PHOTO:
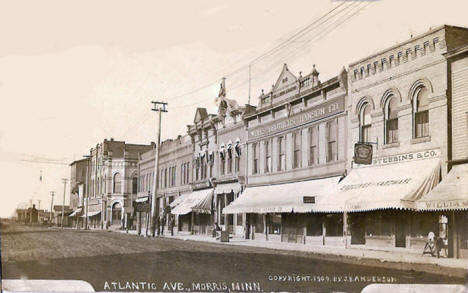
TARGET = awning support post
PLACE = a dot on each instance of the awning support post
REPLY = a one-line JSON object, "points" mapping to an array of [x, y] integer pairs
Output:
{"points": [[345, 229], [324, 231]]}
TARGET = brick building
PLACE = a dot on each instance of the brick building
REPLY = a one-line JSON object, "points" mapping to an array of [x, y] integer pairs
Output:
{"points": [[399, 102], [174, 177], [296, 146], [113, 182]]}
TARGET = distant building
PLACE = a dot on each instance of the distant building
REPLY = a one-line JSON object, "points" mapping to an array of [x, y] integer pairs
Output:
{"points": [[113, 181]]}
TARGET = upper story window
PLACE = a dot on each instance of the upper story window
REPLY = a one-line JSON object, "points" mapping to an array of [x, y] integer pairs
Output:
{"points": [[391, 120], [222, 161], [313, 145], [229, 159], [297, 149], [332, 147], [187, 172], [237, 157], [267, 156], [134, 185], [365, 122], [281, 153], [117, 188], [255, 152], [421, 112]]}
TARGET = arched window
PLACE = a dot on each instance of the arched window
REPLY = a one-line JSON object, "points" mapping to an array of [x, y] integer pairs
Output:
{"points": [[391, 120], [421, 112], [117, 183], [365, 122], [134, 184]]}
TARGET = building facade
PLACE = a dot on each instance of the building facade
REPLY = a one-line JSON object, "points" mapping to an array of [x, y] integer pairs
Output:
{"points": [[399, 104], [113, 182], [296, 145]]}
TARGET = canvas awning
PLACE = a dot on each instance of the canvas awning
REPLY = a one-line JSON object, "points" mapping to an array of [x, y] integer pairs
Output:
{"points": [[450, 194], [91, 214], [197, 201], [390, 186], [234, 187], [280, 198], [75, 212]]}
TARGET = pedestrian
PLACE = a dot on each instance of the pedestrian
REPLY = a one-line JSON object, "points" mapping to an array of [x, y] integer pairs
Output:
{"points": [[157, 225], [171, 224], [162, 222]]}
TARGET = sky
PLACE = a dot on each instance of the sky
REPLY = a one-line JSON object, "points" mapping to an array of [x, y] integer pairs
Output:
{"points": [[75, 72]]}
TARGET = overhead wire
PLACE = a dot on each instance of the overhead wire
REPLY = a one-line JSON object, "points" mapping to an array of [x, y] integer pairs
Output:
{"points": [[353, 10]]}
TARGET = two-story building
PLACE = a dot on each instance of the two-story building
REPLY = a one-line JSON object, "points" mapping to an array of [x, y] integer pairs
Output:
{"points": [[296, 148], [173, 180], [78, 181], [399, 103]]}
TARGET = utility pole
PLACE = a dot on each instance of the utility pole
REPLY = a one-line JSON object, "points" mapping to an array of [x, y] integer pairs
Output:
{"points": [[51, 206], [87, 190], [158, 107], [250, 81], [64, 180]]}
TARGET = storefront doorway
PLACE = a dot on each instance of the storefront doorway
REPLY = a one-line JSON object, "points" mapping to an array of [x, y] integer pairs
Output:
{"points": [[116, 213], [401, 224], [358, 228]]}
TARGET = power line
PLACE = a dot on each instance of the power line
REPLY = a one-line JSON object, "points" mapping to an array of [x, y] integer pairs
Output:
{"points": [[329, 28], [269, 52]]}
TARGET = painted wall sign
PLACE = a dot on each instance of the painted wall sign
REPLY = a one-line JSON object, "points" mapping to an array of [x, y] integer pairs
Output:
{"points": [[446, 204], [405, 157], [326, 109]]}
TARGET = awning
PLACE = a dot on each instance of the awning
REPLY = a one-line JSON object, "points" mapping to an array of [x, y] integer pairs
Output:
{"points": [[280, 198], [90, 214], [75, 212], [450, 194], [228, 188], [390, 186], [197, 201], [142, 199]]}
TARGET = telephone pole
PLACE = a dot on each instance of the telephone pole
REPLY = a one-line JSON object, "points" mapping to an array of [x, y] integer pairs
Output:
{"points": [[87, 190], [51, 206], [158, 107], [64, 180]]}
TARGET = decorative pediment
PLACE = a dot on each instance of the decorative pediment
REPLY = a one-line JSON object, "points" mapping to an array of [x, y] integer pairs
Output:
{"points": [[285, 79], [200, 115]]}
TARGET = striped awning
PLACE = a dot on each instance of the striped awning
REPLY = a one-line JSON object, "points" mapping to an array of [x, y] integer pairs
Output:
{"points": [[197, 201], [392, 186], [450, 194]]}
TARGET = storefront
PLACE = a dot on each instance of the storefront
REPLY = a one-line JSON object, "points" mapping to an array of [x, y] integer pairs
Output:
{"points": [[141, 217], [282, 212], [376, 201], [225, 194], [75, 217], [194, 210], [449, 200]]}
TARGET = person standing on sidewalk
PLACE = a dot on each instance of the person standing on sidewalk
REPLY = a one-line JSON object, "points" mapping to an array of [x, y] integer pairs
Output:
{"points": [[171, 224], [162, 222], [157, 225]]}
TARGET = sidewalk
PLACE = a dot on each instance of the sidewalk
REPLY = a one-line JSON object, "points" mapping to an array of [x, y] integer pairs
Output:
{"points": [[395, 259]]}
